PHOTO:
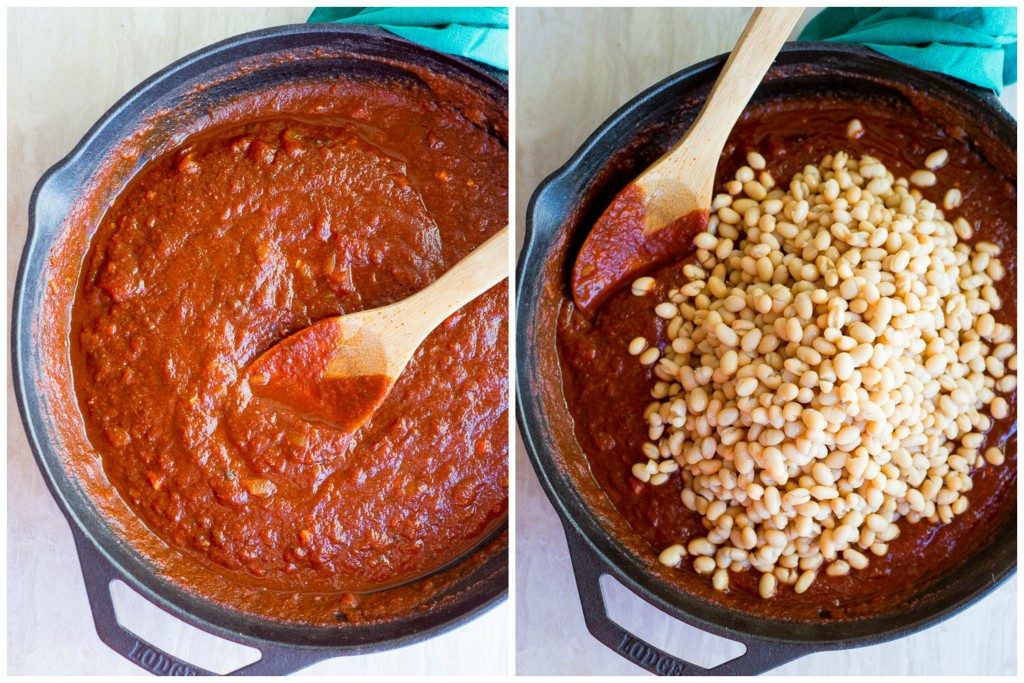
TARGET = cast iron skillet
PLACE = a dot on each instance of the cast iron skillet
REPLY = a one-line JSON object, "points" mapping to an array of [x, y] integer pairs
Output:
{"points": [[560, 212], [220, 71]]}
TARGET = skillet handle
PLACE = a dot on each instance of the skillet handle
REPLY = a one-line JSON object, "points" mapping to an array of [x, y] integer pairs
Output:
{"points": [[97, 571], [760, 655]]}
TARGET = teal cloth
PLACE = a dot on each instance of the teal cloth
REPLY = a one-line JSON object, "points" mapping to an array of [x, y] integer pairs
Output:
{"points": [[974, 44], [477, 33]]}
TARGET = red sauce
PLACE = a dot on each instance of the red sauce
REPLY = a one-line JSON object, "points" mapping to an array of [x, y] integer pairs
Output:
{"points": [[295, 373], [618, 248], [310, 201], [606, 389]]}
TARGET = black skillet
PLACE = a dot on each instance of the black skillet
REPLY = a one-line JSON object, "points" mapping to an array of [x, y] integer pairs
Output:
{"points": [[560, 212], [305, 51]]}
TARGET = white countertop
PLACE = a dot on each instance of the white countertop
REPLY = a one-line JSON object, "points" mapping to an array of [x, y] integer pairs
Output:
{"points": [[66, 67], [574, 68]]}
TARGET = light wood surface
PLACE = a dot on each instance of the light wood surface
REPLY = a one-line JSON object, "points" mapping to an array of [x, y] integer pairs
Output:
{"points": [[65, 68], [574, 68]]}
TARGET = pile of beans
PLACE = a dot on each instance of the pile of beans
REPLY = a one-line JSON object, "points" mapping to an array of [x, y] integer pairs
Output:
{"points": [[832, 365]]}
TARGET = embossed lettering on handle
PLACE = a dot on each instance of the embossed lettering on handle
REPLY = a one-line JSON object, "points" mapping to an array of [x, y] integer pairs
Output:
{"points": [[156, 662], [642, 654]]}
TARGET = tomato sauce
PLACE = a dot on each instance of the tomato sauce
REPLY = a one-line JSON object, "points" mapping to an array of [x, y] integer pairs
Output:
{"points": [[606, 389], [619, 247], [296, 374], [310, 201]]}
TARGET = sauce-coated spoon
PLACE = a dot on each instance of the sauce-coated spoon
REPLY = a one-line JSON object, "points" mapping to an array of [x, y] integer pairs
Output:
{"points": [[340, 369], [656, 216]]}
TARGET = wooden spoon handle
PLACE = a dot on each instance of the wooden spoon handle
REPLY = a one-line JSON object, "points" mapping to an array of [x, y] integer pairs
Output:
{"points": [[484, 267], [763, 37]]}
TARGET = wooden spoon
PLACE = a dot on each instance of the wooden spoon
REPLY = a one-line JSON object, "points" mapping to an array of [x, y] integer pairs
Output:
{"points": [[654, 219], [340, 369]]}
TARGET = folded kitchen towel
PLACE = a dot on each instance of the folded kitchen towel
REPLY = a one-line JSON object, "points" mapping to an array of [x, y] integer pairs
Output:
{"points": [[477, 33], [974, 44]]}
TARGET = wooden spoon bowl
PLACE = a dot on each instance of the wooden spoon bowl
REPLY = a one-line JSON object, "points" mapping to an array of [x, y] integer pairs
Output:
{"points": [[340, 369]]}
